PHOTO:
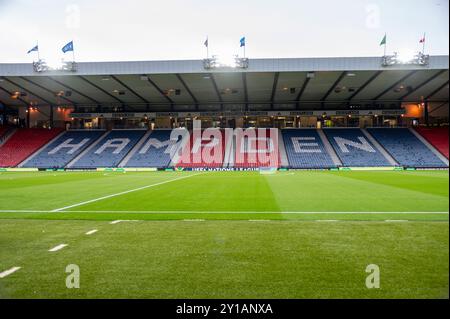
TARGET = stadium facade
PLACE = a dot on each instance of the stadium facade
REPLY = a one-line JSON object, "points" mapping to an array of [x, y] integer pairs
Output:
{"points": [[312, 113]]}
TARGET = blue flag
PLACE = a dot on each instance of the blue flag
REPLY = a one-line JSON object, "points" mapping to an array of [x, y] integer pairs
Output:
{"points": [[243, 42], [68, 47], [36, 48]]}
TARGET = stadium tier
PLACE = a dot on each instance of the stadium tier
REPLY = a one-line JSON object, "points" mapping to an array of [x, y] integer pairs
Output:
{"points": [[23, 143], [299, 148], [154, 150], [438, 137], [63, 150], [406, 148], [110, 150], [354, 148], [305, 149]]}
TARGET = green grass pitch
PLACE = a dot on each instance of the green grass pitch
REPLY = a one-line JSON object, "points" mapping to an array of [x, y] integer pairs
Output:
{"points": [[225, 234]]}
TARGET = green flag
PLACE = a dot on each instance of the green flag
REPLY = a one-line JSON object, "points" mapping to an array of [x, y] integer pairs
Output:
{"points": [[383, 42]]}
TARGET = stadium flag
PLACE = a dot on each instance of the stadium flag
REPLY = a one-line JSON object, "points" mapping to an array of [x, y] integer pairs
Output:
{"points": [[423, 40], [207, 47], [35, 49], [68, 47], [384, 42], [242, 42]]}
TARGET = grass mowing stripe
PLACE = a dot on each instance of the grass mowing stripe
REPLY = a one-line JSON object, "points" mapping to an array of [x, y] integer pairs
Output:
{"points": [[121, 193]]}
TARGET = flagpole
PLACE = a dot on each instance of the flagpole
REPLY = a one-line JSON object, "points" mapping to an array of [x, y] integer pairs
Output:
{"points": [[423, 44], [207, 47], [39, 56]]}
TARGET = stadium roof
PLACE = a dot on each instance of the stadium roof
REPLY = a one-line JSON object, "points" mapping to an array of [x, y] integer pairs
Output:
{"points": [[270, 83]]}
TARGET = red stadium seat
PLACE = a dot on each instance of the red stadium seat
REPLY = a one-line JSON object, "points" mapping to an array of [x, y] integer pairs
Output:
{"points": [[24, 143], [438, 137]]}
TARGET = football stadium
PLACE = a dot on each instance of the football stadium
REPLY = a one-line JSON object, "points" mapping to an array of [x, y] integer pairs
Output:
{"points": [[253, 178]]}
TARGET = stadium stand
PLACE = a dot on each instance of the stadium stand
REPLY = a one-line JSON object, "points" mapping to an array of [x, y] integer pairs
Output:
{"points": [[64, 149], [192, 156], [406, 148], [438, 137], [110, 151], [23, 143], [260, 151], [354, 149], [304, 149], [154, 152]]}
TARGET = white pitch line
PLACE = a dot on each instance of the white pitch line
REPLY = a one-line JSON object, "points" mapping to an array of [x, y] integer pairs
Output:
{"points": [[120, 221], [193, 220], [56, 248], [395, 220], [259, 220], [9, 272], [121, 193], [92, 232]]}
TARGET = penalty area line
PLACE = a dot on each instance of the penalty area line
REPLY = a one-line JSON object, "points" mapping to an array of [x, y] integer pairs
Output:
{"points": [[121, 193]]}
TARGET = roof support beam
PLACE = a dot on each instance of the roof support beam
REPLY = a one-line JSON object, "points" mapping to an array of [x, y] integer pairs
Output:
{"points": [[244, 82], [46, 89], [74, 90], [10, 94], [186, 87], [26, 90], [130, 89], [302, 90], [423, 84], [372, 78], [216, 88], [335, 84], [437, 108], [436, 91], [160, 91], [395, 84], [101, 89], [274, 89]]}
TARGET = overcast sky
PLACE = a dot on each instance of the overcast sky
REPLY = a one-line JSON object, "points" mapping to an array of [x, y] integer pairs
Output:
{"points": [[111, 30]]}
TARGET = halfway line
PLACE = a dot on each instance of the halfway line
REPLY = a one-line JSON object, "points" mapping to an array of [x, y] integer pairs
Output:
{"points": [[121, 193]]}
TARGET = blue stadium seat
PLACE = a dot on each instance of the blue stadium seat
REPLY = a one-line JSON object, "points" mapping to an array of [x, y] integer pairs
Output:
{"points": [[154, 152], [64, 149], [305, 149], [354, 149], [406, 148], [110, 151]]}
